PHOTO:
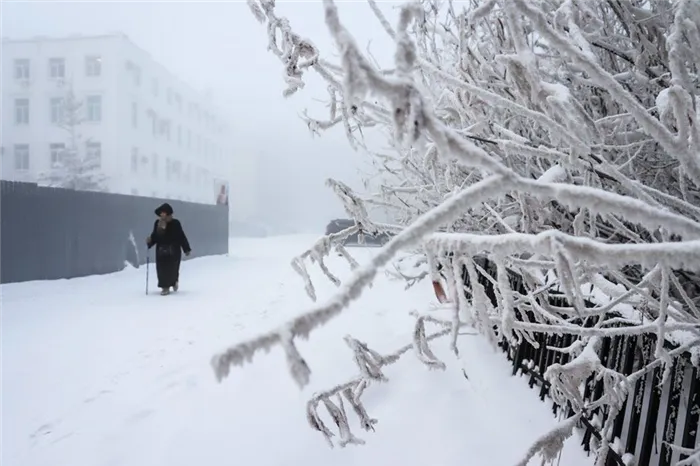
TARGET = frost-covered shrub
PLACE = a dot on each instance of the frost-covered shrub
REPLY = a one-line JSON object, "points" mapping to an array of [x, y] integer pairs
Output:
{"points": [[558, 138]]}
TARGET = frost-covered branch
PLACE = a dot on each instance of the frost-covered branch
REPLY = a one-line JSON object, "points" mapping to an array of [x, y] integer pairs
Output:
{"points": [[545, 156], [370, 364], [549, 445]]}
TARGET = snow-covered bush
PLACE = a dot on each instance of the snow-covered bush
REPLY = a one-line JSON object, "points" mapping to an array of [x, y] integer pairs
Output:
{"points": [[558, 138], [77, 166]]}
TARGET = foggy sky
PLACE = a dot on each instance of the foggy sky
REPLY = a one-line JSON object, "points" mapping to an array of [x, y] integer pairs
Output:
{"points": [[221, 47]]}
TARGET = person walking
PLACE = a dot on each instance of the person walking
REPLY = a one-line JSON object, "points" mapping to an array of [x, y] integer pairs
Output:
{"points": [[170, 241]]}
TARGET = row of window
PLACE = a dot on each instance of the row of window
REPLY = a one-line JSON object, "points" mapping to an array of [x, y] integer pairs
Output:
{"points": [[194, 110], [93, 68], [93, 109], [93, 113], [184, 137], [93, 151], [173, 168], [57, 67]]}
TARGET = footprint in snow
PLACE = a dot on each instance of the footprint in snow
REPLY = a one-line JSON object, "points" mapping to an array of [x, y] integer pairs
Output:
{"points": [[140, 416], [43, 430], [46, 434], [90, 399]]}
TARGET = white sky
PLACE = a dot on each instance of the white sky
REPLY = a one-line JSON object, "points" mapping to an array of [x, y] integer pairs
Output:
{"points": [[220, 46]]}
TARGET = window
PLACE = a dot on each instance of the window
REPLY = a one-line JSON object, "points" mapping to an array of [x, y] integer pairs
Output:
{"points": [[22, 111], [22, 68], [179, 135], [154, 165], [134, 160], [134, 71], [164, 128], [57, 68], [94, 108], [169, 95], [56, 110], [178, 102], [134, 115], [189, 139], [56, 151], [154, 87], [168, 168], [175, 167], [93, 152], [21, 156], [93, 65]]}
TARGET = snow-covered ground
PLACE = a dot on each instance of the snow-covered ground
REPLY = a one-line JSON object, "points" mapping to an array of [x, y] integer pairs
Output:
{"points": [[96, 373]]}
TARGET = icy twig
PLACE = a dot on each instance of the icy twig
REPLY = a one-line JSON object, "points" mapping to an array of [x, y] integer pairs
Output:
{"points": [[550, 444], [370, 364]]}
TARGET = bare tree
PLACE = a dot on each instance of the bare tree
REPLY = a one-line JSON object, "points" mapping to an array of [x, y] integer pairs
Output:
{"points": [[556, 139], [78, 165]]}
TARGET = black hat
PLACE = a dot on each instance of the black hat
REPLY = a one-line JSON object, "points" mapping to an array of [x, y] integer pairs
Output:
{"points": [[167, 208]]}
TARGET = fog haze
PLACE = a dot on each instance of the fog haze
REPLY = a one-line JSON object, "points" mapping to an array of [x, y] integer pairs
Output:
{"points": [[222, 49]]}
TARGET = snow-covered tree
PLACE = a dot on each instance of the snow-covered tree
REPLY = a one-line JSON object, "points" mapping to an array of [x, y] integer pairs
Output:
{"points": [[77, 164], [547, 147]]}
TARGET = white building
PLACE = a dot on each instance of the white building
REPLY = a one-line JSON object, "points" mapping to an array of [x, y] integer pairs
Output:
{"points": [[154, 135]]}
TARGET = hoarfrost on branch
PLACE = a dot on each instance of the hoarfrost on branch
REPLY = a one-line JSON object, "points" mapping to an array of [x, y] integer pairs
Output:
{"points": [[558, 139]]}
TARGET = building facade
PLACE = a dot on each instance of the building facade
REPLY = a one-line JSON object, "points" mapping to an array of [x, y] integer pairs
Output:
{"points": [[151, 134]]}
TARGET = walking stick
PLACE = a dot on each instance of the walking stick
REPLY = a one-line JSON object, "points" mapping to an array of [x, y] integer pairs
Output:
{"points": [[148, 267]]}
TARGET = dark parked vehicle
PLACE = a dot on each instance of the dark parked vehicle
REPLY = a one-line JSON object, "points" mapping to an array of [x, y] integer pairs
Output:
{"points": [[341, 224]]}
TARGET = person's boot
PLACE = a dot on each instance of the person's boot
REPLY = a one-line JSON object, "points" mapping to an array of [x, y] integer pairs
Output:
{"points": [[165, 292], [176, 287]]}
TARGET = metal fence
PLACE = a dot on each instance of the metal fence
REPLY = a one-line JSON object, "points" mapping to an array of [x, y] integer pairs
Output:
{"points": [[654, 415], [51, 233]]}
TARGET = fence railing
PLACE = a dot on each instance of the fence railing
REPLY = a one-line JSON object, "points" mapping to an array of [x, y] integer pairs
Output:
{"points": [[653, 417]]}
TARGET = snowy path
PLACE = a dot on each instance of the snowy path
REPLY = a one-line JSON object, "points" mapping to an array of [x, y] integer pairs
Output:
{"points": [[95, 373]]}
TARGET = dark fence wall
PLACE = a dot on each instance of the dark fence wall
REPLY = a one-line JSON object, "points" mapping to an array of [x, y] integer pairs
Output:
{"points": [[654, 415], [50, 233]]}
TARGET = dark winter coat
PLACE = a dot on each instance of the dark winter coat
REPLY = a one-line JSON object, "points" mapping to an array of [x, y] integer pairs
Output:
{"points": [[170, 241]]}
